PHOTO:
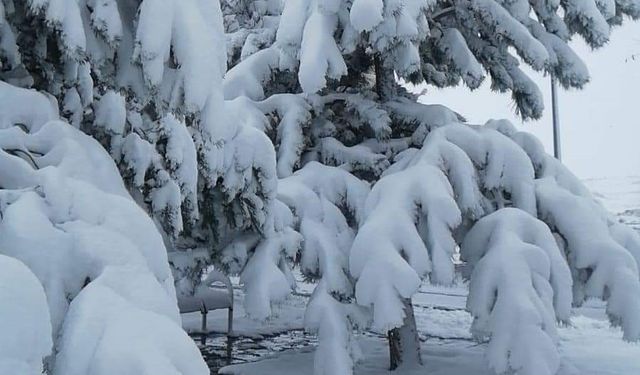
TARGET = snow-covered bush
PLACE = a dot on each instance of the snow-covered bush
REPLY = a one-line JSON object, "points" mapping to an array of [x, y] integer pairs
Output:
{"points": [[94, 293]]}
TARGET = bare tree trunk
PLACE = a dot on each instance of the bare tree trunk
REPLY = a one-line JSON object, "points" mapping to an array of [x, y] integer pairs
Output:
{"points": [[404, 343], [385, 79]]}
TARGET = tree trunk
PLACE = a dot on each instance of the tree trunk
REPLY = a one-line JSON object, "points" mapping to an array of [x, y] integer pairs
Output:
{"points": [[385, 79], [404, 343]]}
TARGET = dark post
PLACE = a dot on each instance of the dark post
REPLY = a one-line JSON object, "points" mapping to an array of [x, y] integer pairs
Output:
{"points": [[204, 311]]}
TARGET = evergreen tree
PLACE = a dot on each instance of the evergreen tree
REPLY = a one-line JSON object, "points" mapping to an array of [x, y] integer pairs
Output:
{"points": [[310, 154], [434, 179], [144, 78]]}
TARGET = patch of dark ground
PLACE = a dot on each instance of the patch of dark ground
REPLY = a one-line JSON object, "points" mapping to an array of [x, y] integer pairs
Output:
{"points": [[219, 351]]}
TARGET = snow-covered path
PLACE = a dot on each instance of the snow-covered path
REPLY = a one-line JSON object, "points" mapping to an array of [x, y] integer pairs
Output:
{"points": [[590, 346]]}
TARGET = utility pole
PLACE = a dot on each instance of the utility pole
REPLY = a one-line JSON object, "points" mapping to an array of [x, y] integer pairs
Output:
{"points": [[556, 119]]}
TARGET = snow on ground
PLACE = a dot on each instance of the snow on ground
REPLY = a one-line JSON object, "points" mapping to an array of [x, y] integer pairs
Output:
{"points": [[590, 346], [442, 357], [288, 316], [619, 195]]}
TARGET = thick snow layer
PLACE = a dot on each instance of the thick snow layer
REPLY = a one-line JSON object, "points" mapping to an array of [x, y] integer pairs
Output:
{"points": [[111, 113], [366, 14], [105, 334], [320, 57], [248, 78], [604, 268], [519, 286], [66, 215], [24, 320]]}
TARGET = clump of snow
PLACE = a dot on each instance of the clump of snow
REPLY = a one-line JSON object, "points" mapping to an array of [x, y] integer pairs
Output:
{"points": [[25, 324], [106, 333], [111, 113], [520, 285], [67, 216], [601, 266]]}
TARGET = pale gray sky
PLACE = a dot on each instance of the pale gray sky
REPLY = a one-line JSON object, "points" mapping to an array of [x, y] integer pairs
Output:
{"points": [[600, 125]]}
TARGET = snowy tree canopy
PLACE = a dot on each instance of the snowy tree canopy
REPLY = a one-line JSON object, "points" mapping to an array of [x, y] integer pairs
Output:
{"points": [[84, 273], [438, 42], [324, 90], [144, 78], [482, 188]]}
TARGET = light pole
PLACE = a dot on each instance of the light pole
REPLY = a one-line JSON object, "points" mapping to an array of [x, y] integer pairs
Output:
{"points": [[556, 119]]}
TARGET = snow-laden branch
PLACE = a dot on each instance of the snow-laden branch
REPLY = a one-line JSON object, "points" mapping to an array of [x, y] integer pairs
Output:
{"points": [[601, 266], [24, 319], [98, 257], [424, 206], [327, 203], [520, 285]]}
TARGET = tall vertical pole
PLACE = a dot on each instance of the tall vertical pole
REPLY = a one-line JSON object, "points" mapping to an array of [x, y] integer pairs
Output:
{"points": [[556, 119]]}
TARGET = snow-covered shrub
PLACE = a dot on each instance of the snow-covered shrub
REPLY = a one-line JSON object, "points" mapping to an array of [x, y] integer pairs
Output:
{"points": [[88, 248], [327, 203], [602, 267]]}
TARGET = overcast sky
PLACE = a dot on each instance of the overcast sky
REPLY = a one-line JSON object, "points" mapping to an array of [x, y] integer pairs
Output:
{"points": [[600, 125]]}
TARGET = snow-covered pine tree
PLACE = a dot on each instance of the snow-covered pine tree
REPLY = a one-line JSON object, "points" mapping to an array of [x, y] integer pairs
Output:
{"points": [[380, 188], [435, 179], [85, 282], [144, 78]]}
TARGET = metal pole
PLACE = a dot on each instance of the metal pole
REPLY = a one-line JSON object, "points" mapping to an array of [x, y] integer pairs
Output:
{"points": [[204, 311], [556, 119]]}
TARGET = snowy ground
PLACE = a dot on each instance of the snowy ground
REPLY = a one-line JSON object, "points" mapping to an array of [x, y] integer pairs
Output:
{"points": [[620, 195], [589, 346]]}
